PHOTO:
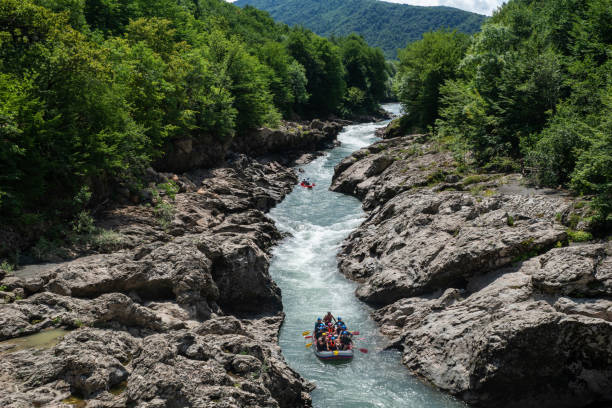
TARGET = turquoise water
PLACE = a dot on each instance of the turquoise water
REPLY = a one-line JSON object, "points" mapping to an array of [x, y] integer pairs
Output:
{"points": [[304, 266]]}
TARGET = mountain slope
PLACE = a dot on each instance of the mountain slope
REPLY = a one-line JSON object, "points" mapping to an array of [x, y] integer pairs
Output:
{"points": [[386, 25]]}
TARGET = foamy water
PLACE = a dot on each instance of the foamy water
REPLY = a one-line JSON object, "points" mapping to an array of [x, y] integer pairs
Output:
{"points": [[304, 266]]}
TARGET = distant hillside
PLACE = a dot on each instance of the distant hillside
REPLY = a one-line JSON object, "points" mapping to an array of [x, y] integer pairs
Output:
{"points": [[386, 25]]}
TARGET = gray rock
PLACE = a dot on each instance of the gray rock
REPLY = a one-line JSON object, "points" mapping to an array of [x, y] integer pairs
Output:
{"points": [[583, 270], [482, 295], [502, 346], [290, 139], [421, 242], [151, 320], [406, 166], [598, 308]]}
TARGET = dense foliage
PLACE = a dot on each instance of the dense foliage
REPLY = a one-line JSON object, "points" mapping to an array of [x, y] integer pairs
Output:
{"points": [[389, 26], [90, 90], [534, 87], [424, 66]]}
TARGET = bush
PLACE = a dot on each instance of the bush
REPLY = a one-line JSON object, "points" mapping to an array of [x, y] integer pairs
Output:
{"points": [[579, 236]]}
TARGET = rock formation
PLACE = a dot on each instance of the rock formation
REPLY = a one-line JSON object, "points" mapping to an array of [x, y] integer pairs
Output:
{"points": [[289, 138], [476, 281], [183, 314]]}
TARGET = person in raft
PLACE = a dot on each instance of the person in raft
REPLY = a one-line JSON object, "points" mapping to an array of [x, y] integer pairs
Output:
{"points": [[317, 324], [319, 330], [340, 326], [345, 341], [331, 343], [322, 343], [328, 318]]}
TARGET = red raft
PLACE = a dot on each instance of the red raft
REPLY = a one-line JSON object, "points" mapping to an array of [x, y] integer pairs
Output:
{"points": [[307, 185]]}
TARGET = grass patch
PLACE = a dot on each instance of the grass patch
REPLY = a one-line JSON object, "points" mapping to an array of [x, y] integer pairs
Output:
{"points": [[476, 190], [170, 188], [579, 204], [164, 212], [473, 179], [574, 219], [531, 251], [435, 178], [489, 193], [578, 236], [99, 239], [502, 164], [48, 248], [525, 256], [7, 267], [413, 150], [106, 240]]}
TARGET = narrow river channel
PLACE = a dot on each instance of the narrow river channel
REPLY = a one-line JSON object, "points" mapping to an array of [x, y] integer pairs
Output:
{"points": [[304, 266]]}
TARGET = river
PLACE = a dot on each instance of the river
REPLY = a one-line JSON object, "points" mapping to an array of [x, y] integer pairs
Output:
{"points": [[304, 266]]}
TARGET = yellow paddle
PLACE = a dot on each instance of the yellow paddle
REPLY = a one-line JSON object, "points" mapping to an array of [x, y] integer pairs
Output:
{"points": [[305, 333], [308, 345]]}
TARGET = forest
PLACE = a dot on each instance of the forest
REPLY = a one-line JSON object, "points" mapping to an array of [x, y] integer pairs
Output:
{"points": [[389, 26], [91, 89], [531, 92]]}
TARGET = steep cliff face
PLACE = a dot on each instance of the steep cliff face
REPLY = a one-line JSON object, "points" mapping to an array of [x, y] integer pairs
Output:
{"points": [[185, 313], [476, 281], [289, 139]]}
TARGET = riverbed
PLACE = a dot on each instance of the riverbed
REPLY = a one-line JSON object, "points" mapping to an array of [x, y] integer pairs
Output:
{"points": [[304, 266]]}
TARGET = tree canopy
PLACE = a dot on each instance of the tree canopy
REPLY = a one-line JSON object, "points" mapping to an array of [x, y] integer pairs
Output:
{"points": [[90, 90], [387, 25], [534, 87]]}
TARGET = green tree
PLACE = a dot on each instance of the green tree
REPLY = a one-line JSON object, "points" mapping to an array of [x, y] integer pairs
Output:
{"points": [[424, 67]]}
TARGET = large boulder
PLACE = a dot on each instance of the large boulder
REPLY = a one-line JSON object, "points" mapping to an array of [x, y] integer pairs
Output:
{"points": [[152, 323], [288, 139], [387, 168], [422, 241], [503, 343]]}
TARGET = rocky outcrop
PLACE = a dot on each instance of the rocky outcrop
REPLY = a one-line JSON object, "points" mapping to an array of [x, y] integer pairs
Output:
{"points": [[290, 139], [187, 153], [420, 242], [502, 342], [381, 171], [109, 368], [184, 314], [476, 281]]}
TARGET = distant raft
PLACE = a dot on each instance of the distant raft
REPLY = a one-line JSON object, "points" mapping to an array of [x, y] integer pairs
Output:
{"points": [[306, 185]]}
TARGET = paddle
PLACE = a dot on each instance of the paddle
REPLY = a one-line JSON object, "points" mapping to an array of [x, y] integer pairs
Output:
{"points": [[363, 350], [305, 333], [308, 345], [355, 333], [308, 337]]}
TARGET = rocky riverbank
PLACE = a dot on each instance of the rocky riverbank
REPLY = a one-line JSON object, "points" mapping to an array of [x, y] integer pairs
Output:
{"points": [[477, 279], [179, 311]]}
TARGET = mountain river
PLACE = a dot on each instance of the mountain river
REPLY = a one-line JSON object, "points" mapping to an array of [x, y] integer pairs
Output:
{"points": [[304, 266]]}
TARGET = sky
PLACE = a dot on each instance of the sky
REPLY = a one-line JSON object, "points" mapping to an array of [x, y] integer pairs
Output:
{"points": [[477, 6]]}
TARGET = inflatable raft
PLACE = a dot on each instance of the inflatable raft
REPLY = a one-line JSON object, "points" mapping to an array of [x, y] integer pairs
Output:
{"points": [[337, 355], [307, 185]]}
